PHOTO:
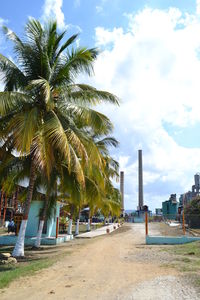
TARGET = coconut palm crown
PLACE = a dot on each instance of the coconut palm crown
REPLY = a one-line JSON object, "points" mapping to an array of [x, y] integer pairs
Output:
{"points": [[44, 113]]}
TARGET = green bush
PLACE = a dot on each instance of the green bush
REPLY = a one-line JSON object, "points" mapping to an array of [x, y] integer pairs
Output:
{"points": [[192, 213]]}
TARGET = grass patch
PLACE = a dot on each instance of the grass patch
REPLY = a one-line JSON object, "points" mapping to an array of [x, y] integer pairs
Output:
{"points": [[29, 265], [197, 281], [168, 265], [186, 260], [8, 273], [188, 268], [187, 257], [190, 249]]}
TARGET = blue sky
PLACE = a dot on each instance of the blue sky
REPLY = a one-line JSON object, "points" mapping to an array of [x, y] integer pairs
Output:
{"points": [[150, 59]]}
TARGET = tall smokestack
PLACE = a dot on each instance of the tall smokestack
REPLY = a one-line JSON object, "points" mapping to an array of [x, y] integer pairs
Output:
{"points": [[140, 181], [122, 189]]}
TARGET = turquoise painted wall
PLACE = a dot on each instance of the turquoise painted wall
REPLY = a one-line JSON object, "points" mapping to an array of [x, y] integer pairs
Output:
{"points": [[169, 209], [51, 224], [33, 219], [170, 240]]}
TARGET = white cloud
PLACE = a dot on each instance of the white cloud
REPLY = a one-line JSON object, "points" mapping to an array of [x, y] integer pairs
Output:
{"points": [[198, 7], [154, 67], [77, 3], [2, 21], [99, 9], [53, 9], [104, 37]]}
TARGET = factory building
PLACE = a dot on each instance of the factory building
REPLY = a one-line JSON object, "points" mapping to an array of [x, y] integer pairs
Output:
{"points": [[187, 197], [170, 208]]}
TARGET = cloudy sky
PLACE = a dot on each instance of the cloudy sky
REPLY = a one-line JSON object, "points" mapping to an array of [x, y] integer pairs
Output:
{"points": [[150, 58]]}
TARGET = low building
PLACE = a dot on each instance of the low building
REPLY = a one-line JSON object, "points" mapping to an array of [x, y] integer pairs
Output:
{"points": [[49, 236], [49, 229]]}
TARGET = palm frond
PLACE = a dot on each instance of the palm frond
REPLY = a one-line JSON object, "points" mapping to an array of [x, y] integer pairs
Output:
{"points": [[13, 78], [12, 101], [24, 127], [55, 132]]}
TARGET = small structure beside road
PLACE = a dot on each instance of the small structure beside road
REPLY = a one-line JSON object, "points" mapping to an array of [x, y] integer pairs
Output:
{"points": [[49, 231]]}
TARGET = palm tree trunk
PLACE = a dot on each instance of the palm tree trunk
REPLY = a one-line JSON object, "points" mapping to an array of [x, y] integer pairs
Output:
{"points": [[69, 231], [13, 200], [19, 246], [77, 223], [89, 221], [1, 203], [5, 208], [16, 199], [39, 233]]}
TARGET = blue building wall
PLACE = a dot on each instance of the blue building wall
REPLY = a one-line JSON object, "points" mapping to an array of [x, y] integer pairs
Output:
{"points": [[33, 219], [51, 223]]}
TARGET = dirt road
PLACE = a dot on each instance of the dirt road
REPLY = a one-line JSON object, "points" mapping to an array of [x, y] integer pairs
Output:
{"points": [[117, 266]]}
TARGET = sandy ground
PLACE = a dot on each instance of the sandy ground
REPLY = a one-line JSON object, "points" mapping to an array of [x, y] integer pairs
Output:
{"points": [[117, 266]]}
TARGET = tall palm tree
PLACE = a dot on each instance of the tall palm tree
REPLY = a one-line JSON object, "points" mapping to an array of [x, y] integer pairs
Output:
{"points": [[43, 110]]}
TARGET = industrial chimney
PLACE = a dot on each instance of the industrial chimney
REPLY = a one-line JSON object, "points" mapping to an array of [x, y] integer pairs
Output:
{"points": [[122, 190], [140, 181]]}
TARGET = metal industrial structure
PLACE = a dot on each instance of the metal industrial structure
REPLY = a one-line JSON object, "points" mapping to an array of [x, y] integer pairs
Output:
{"points": [[122, 191], [171, 207], [188, 196]]}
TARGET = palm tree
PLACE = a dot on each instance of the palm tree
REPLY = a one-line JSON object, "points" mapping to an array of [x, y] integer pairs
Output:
{"points": [[95, 192], [50, 187], [99, 191], [72, 192], [42, 109]]}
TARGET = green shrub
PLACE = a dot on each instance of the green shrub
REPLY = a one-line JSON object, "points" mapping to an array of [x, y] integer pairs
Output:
{"points": [[192, 213]]}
